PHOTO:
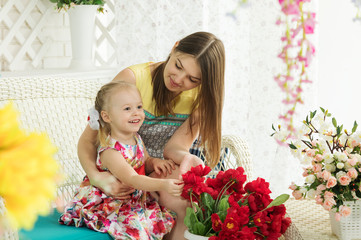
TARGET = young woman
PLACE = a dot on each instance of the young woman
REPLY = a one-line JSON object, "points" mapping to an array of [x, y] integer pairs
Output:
{"points": [[182, 99]]}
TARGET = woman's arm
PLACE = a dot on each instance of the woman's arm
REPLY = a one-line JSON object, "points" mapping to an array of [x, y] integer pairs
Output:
{"points": [[177, 148], [157, 165], [118, 166]]}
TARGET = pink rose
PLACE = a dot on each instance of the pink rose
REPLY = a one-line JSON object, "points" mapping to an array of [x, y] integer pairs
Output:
{"points": [[352, 173], [311, 152], [317, 168], [297, 194], [292, 186], [337, 216], [318, 157], [328, 203], [352, 161], [328, 194], [305, 172], [345, 211], [331, 182], [326, 175], [320, 188], [319, 199], [344, 180]]}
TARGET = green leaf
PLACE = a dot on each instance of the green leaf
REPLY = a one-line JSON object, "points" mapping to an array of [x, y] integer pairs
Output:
{"points": [[222, 215], [199, 229], [307, 120], [358, 193], [334, 122], [279, 200], [323, 110], [292, 146], [328, 114], [273, 127], [207, 201], [313, 114], [354, 127], [189, 218], [223, 204], [338, 130], [198, 212]]}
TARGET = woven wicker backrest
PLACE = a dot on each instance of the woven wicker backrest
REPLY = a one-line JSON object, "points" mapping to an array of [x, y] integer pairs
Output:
{"points": [[57, 106]]}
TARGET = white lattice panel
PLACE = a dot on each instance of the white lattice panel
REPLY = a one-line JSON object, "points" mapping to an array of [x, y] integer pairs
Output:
{"points": [[22, 43], [105, 51], [34, 36]]}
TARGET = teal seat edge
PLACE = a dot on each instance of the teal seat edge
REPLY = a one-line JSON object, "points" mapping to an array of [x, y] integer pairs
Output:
{"points": [[48, 228]]}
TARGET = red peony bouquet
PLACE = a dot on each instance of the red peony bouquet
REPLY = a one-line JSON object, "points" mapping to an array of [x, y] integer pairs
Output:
{"points": [[224, 208]]}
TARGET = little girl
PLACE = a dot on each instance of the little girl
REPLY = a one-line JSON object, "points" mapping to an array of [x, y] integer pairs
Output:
{"points": [[121, 151]]}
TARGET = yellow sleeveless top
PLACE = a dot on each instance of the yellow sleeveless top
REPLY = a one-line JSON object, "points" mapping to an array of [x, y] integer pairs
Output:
{"points": [[156, 130]]}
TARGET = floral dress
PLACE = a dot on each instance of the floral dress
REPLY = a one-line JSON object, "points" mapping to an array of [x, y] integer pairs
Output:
{"points": [[141, 217]]}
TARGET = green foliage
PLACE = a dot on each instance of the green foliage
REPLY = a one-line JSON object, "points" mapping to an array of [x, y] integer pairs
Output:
{"points": [[66, 4]]}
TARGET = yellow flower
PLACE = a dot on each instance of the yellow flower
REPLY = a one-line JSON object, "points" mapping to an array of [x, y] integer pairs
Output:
{"points": [[28, 171]]}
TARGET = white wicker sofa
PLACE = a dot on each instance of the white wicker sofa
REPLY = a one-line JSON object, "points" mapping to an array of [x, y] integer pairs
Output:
{"points": [[58, 106]]}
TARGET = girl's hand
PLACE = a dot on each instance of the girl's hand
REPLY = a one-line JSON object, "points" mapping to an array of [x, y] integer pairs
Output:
{"points": [[173, 187], [111, 186], [163, 167]]}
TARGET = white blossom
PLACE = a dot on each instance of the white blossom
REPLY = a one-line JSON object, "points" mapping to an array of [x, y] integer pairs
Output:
{"points": [[303, 190], [340, 165], [311, 193], [306, 160], [281, 135], [310, 179], [330, 167], [340, 174], [341, 156], [328, 158]]}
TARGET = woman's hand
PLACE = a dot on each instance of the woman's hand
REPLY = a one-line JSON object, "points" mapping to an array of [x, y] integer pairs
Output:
{"points": [[189, 160], [173, 187], [111, 186], [163, 167]]}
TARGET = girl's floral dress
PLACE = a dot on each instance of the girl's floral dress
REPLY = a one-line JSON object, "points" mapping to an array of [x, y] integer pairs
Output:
{"points": [[141, 217]]}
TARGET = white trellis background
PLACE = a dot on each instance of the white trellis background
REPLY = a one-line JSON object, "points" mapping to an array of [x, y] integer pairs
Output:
{"points": [[34, 35]]}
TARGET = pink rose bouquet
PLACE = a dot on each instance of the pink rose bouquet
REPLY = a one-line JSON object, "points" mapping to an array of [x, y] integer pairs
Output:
{"points": [[332, 159]]}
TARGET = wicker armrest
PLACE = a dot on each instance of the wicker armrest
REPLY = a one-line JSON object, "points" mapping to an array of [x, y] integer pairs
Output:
{"points": [[234, 153]]}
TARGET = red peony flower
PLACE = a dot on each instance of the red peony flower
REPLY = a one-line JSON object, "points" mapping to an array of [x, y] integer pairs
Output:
{"points": [[216, 222], [222, 208]]}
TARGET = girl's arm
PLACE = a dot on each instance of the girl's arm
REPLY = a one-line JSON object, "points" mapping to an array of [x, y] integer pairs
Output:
{"points": [[118, 166], [103, 180]]}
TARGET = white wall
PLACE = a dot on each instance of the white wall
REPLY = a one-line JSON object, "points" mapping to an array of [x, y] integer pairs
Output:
{"points": [[339, 58]]}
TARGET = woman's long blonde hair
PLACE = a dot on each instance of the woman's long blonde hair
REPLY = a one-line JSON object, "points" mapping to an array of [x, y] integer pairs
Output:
{"points": [[209, 52], [102, 104]]}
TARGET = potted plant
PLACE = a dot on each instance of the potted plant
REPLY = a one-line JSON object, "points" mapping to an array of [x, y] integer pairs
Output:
{"points": [[223, 208], [67, 4], [332, 159], [82, 23]]}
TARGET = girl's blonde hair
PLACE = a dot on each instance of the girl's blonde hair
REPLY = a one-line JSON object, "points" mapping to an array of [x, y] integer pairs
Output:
{"points": [[209, 52], [102, 104]]}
